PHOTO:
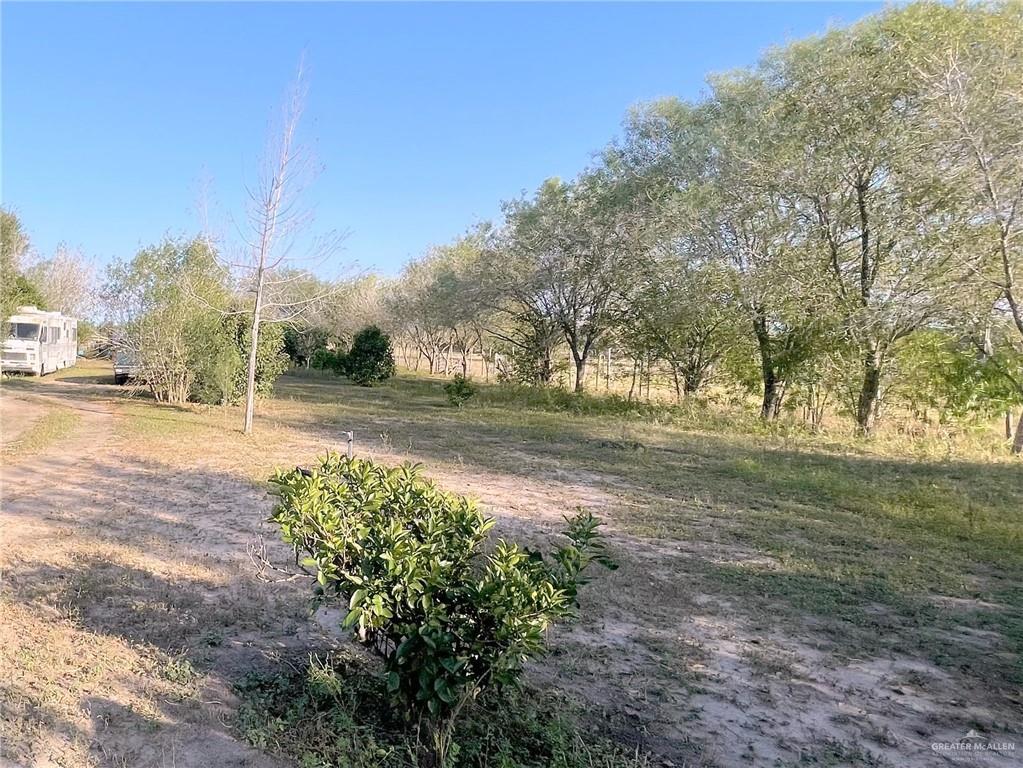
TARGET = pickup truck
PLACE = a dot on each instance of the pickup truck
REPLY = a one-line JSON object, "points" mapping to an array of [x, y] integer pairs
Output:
{"points": [[126, 367]]}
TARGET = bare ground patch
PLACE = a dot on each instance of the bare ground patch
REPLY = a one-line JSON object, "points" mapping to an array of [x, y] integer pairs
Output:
{"points": [[128, 555], [17, 414]]}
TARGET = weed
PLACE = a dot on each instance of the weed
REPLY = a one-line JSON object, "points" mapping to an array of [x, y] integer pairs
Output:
{"points": [[334, 711], [459, 390]]}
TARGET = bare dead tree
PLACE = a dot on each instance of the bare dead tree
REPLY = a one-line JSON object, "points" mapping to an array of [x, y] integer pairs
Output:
{"points": [[67, 280], [279, 249]]}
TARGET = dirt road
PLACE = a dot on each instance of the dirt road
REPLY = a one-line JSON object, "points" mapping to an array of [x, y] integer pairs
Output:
{"points": [[116, 570], [17, 414]]}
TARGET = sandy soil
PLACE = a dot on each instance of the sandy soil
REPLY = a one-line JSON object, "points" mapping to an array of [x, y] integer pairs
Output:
{"points": [[17, 414], [139, 558], [161, 553], [698, 682]]}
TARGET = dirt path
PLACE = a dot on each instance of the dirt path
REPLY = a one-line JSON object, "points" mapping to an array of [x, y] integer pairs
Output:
{"points": [[116, 570], [17, 414]]}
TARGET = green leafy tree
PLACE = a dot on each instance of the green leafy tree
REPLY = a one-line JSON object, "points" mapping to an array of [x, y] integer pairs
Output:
{"points": [[15, 288], [178, 320], [370, 359], [168, 303], [566, 257], [888, 233], [449, 617], [302, 342], [965, 59]]}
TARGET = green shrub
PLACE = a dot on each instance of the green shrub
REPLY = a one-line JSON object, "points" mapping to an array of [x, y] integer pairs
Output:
{"points": [[325, 360], [217, 371], [406, 558], [370, 359], [271, 360], [459, 390], [221, 363]]}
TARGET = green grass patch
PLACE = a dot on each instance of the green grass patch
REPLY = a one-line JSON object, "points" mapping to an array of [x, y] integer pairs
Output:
{"points": [[50, 428], [85, 371]]}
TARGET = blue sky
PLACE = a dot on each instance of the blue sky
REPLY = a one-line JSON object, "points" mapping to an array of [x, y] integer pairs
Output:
{"points": [[423, 116]]}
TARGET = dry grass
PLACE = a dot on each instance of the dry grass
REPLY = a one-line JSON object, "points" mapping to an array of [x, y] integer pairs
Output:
{"points": [[48, 430], [753, 561]]}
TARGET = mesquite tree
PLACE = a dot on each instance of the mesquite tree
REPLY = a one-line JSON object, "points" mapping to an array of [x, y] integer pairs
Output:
{"points": [[966, 61], [884, 248], [568, 252]]}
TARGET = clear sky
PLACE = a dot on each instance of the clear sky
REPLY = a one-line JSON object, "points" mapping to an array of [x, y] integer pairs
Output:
{"points": [[424, 116]]}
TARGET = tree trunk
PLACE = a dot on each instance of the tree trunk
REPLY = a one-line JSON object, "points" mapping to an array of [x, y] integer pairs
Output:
{"points": [[580, 373], [771, 404], [250, 380], [692, 378], [1008, 425], [678, 384], [866, 406], [546, 372], [1017, 444]]}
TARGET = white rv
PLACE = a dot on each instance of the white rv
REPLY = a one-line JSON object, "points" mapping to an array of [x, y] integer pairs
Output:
{"points": [[39, 342]]}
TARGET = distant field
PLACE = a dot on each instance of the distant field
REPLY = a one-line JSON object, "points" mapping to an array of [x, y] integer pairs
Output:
{"points": [[783, 598]]}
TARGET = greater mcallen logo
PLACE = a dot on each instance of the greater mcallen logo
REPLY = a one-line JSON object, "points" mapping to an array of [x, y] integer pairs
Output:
{"points": [[974, 743]]}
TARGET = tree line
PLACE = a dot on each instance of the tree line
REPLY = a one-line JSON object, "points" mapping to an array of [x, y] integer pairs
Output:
{"points": [[836, 229], [838, 226], [62, 282]]}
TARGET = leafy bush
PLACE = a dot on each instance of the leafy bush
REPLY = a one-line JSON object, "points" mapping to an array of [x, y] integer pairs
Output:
{"points": [[217, 369], [166, 303], [325, 360], [370, 359], [271, 360], [220, 363], [448, 621], [459, 390], [177, 319]]}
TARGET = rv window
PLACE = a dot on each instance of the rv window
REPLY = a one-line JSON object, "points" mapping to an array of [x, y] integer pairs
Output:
{"points": [[56, 333], [25, 331], [42, 334]]}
